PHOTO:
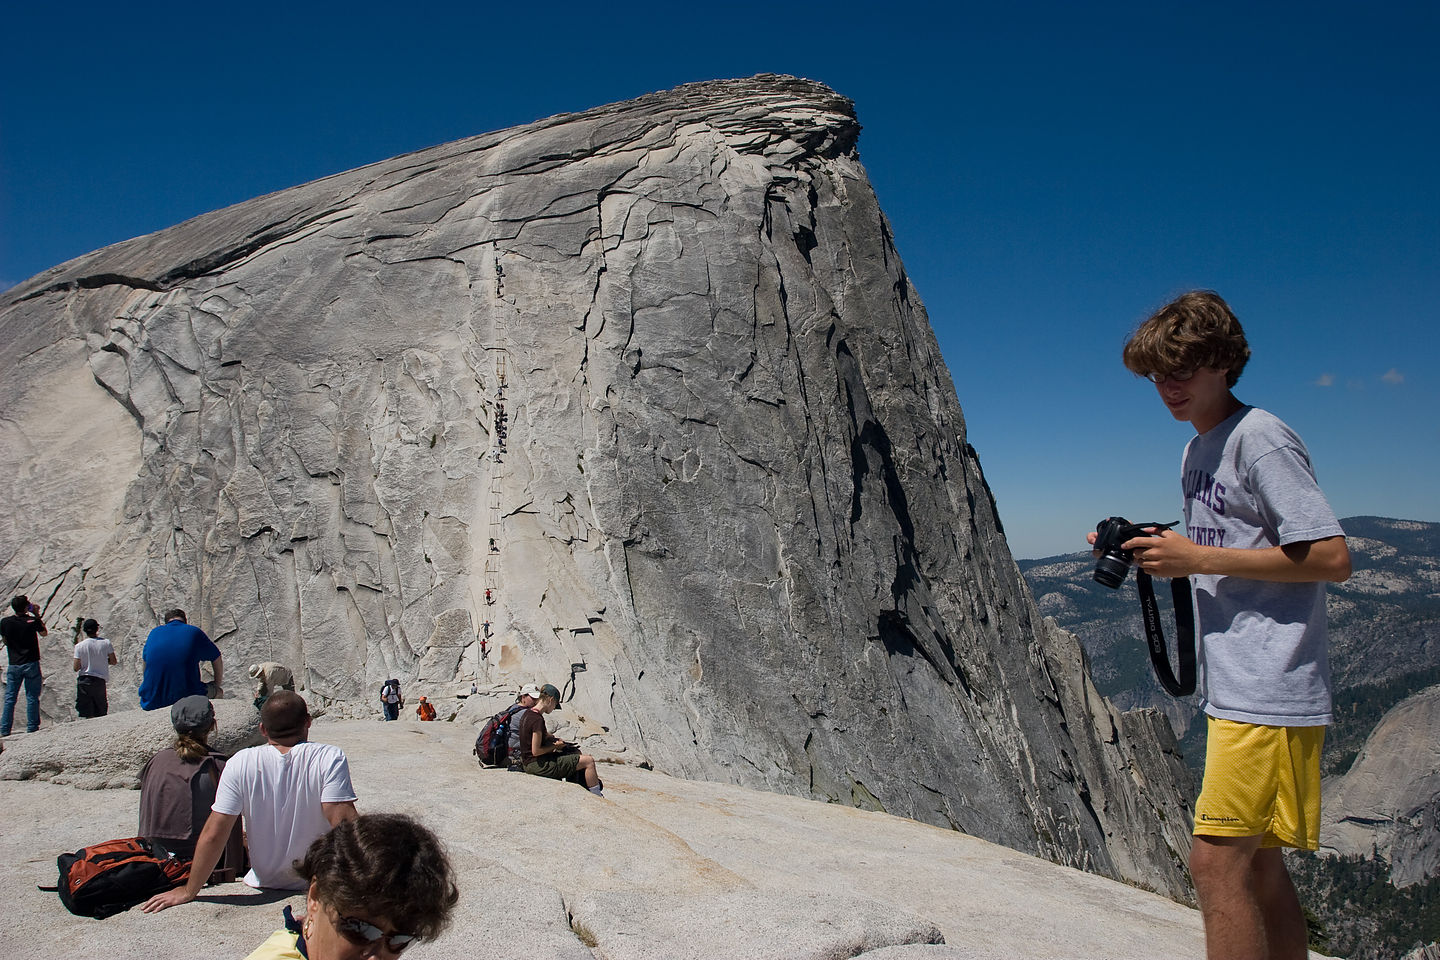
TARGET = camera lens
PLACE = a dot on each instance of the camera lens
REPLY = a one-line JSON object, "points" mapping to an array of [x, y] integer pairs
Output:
{"points": [[1110, 570]]}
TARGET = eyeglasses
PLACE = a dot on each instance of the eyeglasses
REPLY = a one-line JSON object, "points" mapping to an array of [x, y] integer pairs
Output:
{"points": [[364, 933], [1179, 376]]}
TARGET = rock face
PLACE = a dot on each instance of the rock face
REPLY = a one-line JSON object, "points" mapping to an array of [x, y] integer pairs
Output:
{"points": [[645, 390], [1388, 803]]}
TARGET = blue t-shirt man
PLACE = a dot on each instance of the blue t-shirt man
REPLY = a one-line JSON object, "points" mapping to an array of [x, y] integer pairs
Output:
{"points": [[173, 652]]}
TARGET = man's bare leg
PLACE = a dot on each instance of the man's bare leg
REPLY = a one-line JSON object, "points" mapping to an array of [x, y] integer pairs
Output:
{"points": [[1223, 870], [1285, 930]]}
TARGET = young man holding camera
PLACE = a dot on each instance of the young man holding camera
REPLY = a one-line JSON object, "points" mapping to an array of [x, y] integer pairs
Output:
{"points": [[1261, 542], [22, 632]]}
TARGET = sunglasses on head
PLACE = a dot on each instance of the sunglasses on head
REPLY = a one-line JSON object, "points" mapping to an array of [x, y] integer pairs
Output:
{"points": [[364, 933]]}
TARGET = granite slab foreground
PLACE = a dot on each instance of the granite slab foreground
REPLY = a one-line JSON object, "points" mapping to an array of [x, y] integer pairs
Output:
{"points": [[660, 868]]}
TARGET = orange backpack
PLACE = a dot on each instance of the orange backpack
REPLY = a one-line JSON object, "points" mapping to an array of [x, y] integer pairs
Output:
{"points": [[107, 878]]}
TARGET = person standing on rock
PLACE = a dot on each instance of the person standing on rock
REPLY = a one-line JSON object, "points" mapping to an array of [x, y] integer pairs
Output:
{"points": [[391, 700], [1260, 544], [21, 632], [290, 791], [173, 654], [547, 756], [92, 660]]}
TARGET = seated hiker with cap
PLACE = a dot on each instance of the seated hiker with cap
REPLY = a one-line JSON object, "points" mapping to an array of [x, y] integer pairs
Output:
{"points": [[529, 694], [547, 756], [177, 788], [289, 791]]}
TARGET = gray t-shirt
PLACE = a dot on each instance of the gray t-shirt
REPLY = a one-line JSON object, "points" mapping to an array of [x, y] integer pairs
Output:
{"points": [[1262, 656]]}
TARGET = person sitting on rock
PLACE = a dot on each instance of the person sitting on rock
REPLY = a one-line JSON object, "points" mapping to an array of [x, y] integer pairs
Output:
{"points": [[547, 756], [526, 699], [172, 657], [269, 677], [426, 710], [376, 885], [177, 788], [289, 791]]}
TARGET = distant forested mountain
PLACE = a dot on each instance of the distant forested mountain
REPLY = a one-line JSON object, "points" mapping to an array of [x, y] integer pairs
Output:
{"points": [[1384, 632], [1384, 647]]}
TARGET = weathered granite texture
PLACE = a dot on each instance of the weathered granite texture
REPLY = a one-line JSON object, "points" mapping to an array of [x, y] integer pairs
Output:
{"points": [[1388, 803], [108, 752], [653, 377]]}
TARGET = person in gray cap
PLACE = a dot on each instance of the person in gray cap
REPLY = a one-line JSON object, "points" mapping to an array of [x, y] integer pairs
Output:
{"points": [[547, 756], [177, 787], [290, 792]]}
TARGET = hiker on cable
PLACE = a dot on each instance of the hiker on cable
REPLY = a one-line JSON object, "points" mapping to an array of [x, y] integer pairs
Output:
{"points": [[1259, 546]]}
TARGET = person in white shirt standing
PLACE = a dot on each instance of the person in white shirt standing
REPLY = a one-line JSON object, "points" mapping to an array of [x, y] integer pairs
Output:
{"points": [[290, 792], [93, 658]]}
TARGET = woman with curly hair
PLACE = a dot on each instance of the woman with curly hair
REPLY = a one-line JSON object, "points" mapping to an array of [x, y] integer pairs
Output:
{"points": [[377, 884]]}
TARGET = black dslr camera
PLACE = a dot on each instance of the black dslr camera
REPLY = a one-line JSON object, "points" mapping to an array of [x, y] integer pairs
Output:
{"points": [[1110, 570], [1114, 563]]}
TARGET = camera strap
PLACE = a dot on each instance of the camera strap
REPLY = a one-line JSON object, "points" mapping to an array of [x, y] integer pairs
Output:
{"points": [[1184, 630]]}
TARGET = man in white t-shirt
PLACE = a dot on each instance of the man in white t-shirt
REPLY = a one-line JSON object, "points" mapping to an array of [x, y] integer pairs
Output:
{"points": [[93, 658], [290, 792]]}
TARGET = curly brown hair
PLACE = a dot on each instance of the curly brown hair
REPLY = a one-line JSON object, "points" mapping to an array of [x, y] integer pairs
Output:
{"points": [[384, 865], [1195, 330]]}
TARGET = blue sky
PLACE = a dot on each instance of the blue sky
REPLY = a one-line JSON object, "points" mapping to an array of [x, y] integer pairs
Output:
{"points": [[1053, 172]]}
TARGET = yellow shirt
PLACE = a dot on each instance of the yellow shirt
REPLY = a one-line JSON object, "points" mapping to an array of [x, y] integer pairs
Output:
{"points": [[280, 946]]}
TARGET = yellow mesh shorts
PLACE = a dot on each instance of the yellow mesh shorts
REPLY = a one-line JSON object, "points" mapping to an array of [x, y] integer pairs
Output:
{"points": [[1261, 781]]}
